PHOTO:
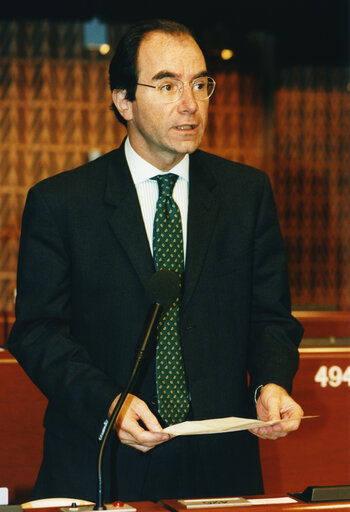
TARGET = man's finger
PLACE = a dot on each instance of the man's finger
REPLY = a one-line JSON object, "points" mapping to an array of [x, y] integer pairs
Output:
{"points": [[130, 431], [138, 436]]}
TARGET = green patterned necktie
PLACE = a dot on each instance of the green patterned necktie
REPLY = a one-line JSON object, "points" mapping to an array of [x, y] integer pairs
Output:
{"points": [[173, 403]]}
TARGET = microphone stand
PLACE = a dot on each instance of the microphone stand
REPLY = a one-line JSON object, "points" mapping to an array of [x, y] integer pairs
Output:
{"points": [[109, 424]]}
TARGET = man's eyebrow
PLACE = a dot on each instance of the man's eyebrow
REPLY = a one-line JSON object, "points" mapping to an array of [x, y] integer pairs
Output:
{"points": [[202, 73], [164, 74], [170, 74]]}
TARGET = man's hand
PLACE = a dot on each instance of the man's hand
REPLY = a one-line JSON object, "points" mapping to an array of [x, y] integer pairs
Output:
{"points": [[275, 403], [130, 431]]}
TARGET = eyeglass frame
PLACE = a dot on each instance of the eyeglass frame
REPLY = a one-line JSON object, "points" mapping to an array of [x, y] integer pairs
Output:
{"points": [[181, 88]]}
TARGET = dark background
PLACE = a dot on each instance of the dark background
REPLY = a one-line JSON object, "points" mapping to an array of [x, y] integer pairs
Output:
{"points": [[304, 32]]}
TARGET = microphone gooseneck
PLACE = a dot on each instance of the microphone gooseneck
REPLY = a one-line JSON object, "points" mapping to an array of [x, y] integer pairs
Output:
{"points": [[163, 290]]}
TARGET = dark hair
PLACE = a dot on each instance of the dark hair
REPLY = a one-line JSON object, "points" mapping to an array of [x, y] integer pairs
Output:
{"points": [[123, 72]]}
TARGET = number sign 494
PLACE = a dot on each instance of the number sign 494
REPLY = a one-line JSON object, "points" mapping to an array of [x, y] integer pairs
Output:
{"points": [[332, 376]]}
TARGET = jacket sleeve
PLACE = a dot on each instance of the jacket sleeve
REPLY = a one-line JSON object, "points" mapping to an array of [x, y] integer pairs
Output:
{"points": [[275, 333], [41, 338]]}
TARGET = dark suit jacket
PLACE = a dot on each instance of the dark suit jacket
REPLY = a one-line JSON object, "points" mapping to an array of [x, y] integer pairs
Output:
{"points": [[84, 266]]}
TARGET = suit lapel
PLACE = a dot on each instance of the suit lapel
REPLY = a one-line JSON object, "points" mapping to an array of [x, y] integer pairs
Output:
{"points": [[126, 219], [127, 223], [202, 213]]}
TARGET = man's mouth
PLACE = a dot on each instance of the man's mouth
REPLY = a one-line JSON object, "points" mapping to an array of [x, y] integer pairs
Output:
{"points": [[186, 127]]}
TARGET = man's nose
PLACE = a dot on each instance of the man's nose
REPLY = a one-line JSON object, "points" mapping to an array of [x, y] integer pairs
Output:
{"points": [[188, 100]]}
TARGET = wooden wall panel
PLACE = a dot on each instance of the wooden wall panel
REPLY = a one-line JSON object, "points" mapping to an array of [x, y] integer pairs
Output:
{"points": [[55, 109], [312, 186], [52, 114], [236, 120]]}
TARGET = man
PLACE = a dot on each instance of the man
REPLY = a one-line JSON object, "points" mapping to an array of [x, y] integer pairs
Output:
{"points": [[88, 251]]}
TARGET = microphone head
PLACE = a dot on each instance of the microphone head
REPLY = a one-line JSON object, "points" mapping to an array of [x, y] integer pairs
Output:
{"points": [[164, 287]]}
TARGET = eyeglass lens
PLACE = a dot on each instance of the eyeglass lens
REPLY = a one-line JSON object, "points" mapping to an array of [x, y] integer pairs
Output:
{"points": [[172, 89]]}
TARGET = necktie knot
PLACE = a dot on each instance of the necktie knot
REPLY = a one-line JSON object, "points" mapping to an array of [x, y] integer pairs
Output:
{"points": [[166, 183]]}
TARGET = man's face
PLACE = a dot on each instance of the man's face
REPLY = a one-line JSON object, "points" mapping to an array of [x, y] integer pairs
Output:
{"points": [[162, 133]]}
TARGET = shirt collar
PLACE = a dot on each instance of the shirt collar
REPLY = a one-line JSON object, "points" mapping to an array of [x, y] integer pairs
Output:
{"points": [[142, 171]]}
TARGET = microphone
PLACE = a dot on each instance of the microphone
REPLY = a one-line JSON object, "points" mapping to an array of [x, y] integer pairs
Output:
{"points": [[163, 289]]}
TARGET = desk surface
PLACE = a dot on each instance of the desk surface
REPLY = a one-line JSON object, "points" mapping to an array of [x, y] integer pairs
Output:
{"points": [[176, 506], [338, 506], [141, 506]]}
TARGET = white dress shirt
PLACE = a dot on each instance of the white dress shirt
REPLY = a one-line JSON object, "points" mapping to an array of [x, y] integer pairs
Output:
{"points": [[147, 189]]}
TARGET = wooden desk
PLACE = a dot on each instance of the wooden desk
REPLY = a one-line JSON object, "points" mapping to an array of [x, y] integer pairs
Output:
{"points": [[175, 506], [145, 506], [324, 324], [319, 452], [141, 506], [22, 407], [338, 506]]}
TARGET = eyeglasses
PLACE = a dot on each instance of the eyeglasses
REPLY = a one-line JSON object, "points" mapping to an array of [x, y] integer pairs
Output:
{"points": [[171, 89]]}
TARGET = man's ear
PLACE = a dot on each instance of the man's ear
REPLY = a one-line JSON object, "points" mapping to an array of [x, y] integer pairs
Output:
{"points": [[123, 105]]}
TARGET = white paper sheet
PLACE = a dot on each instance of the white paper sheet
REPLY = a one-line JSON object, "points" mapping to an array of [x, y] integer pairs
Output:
{"points": [[231, 502], [271, 501], [214, 502], [220, 425]]}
